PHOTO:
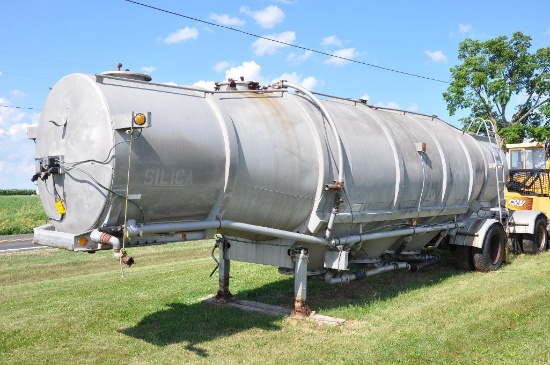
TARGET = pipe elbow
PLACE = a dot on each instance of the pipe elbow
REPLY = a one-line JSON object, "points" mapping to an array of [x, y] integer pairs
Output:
{"points": [[118, 253], [105, 238]]}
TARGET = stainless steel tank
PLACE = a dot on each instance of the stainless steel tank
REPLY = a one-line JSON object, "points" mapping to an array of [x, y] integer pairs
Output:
{"points": [[260, 157]]}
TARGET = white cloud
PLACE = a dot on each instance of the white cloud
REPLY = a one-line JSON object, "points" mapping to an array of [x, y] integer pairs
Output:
{"points": [[16, 150], [413, 107], [365, 97], [308, 82], [16, 130], [249, 70], [18, 158], [298, 58], [464, 29], [264, 46], [389, 104], [18, 94], [349, 53], [208, 85], [545, 33], [9, 116], [0, 73], [182, 35], [221, 66], [436, 56], [148, 69], [225, 19], [331, 41], [170, 83], [267, 18]]}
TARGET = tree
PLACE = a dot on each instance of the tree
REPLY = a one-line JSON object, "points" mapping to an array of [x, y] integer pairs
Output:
{"points": [[497, 73]]}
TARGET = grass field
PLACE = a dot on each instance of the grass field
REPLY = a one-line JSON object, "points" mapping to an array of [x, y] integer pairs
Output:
{"points": [[61, 307], [20, 214]]}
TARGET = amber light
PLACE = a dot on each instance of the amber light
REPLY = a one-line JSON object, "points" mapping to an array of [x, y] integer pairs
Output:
{"points": [[82, 241], [140, 119]]}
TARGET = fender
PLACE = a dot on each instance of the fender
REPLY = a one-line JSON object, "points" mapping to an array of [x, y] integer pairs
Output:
{"points": [[523, 221], [473, 234]]}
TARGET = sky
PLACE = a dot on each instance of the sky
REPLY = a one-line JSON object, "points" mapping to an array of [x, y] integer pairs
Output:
{"points": [[44, 40]]}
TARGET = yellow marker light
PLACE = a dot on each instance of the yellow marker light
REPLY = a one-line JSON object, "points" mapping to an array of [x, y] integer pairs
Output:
{"points": [[82, 241], [140, 119], [60, 207]]}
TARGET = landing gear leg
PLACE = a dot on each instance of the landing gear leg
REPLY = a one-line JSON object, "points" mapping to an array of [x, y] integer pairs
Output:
{"points": [[223, 295], [300, 284]]}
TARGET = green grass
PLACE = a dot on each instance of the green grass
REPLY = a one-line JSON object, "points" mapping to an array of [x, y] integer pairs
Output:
{"points": [[61, 307], [19, 214]]}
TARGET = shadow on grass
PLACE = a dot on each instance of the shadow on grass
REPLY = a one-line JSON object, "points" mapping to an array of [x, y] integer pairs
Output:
{"points": [[322, 296], [196, 323], [203, 322]]}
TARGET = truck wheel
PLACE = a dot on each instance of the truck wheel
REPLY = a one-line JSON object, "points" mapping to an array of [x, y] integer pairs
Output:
{"points": [[463, 258], [537, 242], [491, 255]]}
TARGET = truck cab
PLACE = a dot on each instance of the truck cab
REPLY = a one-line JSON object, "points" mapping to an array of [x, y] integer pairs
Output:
{"points": [[528, 156], [528, 194]]}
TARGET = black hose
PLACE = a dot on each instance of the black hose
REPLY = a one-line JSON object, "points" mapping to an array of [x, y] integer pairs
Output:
{"points": [[414, 267]]}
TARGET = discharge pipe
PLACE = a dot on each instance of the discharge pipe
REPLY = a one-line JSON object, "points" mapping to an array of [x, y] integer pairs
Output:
{"points": [[119, 254], [361, 274], [395, 233], [134, 229]]}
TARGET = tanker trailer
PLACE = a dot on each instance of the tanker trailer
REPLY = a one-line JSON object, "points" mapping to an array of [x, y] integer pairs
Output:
{"points": [[277, 175]]}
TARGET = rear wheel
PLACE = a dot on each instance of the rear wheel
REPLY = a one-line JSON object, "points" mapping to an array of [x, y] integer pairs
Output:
{"points": [[537, 242], [490, 256]]}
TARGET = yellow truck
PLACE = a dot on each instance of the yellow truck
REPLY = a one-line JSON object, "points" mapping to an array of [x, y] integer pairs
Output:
{"points": [[528, 191]]}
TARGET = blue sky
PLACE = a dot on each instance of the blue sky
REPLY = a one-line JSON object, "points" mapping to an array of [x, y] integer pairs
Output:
{"points": [[44, 40]]}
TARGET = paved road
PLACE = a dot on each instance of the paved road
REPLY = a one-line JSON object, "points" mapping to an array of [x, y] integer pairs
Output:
{"points": [[21, 242]]}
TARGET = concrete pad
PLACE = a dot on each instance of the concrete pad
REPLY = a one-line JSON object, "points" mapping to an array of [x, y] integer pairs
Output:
{"points": [[273, 310]]}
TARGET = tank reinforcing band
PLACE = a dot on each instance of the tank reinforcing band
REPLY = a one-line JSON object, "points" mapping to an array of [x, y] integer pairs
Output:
{"points": [[339, 182]]}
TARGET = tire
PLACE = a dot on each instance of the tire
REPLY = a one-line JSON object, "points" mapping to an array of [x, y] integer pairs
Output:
{"points": [[463, 258], [537, 242], [491, 255]]}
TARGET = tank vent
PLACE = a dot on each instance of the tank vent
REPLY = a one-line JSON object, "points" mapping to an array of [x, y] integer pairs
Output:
{"points": [[237, 85], [128, 75]]}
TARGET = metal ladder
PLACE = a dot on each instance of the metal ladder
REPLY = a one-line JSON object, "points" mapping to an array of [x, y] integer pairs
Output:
{"points": [[498, 163]]}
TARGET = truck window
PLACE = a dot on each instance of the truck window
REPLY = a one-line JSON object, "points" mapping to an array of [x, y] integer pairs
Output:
{"points": [[516, 159], [539, 158]]}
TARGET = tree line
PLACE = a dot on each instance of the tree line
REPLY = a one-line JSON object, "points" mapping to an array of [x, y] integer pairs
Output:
{"points": [[17, 192]]}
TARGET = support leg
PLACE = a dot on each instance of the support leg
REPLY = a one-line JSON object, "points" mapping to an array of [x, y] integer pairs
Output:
{"points": [[223, 294], [300, 284]]}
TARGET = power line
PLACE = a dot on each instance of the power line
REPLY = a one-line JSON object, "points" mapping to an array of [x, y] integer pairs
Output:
{"points": [[284, 43], [19, 107]]}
